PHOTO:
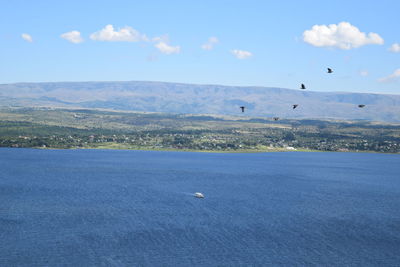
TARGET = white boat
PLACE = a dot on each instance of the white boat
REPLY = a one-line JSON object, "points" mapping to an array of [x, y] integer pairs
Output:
{"points": [[198, 195]]}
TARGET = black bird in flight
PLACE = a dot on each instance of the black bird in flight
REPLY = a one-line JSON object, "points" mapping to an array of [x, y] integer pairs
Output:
{"points": [[242, 108], [330, 70], [361, 106], [276, 118], [295, 106], [302, 86]]}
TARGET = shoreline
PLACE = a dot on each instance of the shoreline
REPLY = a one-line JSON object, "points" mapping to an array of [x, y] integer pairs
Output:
{"points": [[244, 151]]}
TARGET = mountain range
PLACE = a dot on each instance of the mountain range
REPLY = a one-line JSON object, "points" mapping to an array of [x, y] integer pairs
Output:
{"points": [[203, 99]]}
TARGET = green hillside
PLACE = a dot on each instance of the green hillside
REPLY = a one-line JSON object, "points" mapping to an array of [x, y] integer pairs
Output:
{"points": [[89, 128]]}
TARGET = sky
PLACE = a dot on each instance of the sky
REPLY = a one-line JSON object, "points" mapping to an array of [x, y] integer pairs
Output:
{"points": [[248, 43]]}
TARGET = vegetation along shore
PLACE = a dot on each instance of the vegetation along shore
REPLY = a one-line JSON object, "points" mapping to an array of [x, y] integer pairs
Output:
{"points": [[104, 129]]}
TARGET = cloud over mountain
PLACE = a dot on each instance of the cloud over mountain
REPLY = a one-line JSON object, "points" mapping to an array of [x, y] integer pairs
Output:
{"points": [[125, 34], [73, 37], [392, 77], [163, 46], [343, 36], [395, 48], [241, 54], [210, 43], [27, 37]]}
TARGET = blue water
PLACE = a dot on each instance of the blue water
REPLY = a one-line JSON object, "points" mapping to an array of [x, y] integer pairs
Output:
{"points": [[135, 208]]}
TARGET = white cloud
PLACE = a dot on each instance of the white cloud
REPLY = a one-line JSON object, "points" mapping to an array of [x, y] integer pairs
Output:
{"points": [[210, 43], [343, 35], [241, 54], [392, 77], [73, 37], [27, 37], [125, 34], [364, 73], [395, 48], [167, 49], [128, 34], [163, 38]]}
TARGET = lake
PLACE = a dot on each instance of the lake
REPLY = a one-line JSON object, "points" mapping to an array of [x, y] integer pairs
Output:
{"points": [[136, 208]]}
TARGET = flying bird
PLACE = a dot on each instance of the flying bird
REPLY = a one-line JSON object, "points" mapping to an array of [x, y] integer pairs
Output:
{"points": [[361, 106], [302, 86], [242, 108], [330, 70], [276, 118], [295, 106]]}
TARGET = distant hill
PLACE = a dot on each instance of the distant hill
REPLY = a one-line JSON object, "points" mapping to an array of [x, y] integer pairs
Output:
{"points": [[203, 99]]}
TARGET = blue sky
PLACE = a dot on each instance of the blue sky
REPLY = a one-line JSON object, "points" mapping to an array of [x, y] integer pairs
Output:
{"points": [[263, 43]]}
